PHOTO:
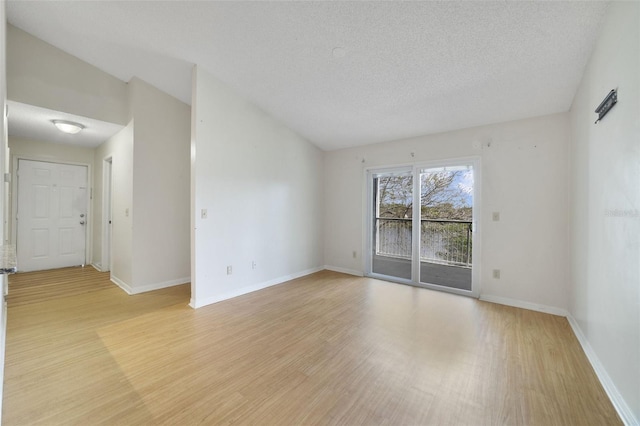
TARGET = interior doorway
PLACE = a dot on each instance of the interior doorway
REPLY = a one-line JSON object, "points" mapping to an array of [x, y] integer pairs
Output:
{"points": [[51, 215], [421, 223]]}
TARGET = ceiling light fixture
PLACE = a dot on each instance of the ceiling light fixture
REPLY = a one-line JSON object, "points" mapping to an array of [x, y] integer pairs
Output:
{"points": [[68, 126]]}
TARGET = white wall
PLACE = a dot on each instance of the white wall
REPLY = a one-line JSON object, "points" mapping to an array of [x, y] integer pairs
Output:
{"points": [[262, 187], [120, 148], [524, 177], [161, 185], [3, 145], [3, 148], [42, 75], [43, 151], [605, 209]]}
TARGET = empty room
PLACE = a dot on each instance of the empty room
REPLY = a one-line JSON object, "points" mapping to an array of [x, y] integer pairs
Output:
{"points": [[292, 213]]}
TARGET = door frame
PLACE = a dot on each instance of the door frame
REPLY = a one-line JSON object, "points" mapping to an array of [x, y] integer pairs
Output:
{"points": [[107, 212], [368, 211], [415, 167], [14, 198]]}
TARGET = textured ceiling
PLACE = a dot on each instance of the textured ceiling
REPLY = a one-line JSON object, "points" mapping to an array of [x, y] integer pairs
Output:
{"points": [[35, 123], [341, 73]]}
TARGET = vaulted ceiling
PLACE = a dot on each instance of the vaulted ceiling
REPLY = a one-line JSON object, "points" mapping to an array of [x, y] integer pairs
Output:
{"points": [[341, 74]]}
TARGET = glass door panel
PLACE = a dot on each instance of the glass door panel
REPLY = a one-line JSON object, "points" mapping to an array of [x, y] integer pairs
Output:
{"points": [[392, 229], [446, 217]]}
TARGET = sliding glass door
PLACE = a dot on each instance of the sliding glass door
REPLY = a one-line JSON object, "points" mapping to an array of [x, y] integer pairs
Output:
{"points": [[421, 225], [446, 226], [392, 234]]}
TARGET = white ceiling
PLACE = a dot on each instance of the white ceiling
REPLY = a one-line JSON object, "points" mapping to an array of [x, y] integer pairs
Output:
{"points": [[35, 123], [341, 73]]}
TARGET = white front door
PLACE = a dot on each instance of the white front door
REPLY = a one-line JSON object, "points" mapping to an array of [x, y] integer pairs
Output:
{"points": [[51, 215]]}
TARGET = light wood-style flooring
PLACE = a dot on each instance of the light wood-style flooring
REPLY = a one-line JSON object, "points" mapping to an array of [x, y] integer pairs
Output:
{"points": [[324, 349]]}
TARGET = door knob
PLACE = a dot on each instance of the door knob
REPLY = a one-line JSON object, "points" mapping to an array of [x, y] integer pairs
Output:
{"points": [[82, 222]]}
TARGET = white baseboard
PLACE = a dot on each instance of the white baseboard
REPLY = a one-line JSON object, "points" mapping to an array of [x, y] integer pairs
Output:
{"points": [[524, 305], [97, 267], [623, 409], [117, 281], [250, 289], [150, 287], [158, 286], [344, 270]]}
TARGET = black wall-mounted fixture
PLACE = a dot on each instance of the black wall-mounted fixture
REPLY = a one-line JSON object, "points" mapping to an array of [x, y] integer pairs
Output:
{"points": [[609, 101]]}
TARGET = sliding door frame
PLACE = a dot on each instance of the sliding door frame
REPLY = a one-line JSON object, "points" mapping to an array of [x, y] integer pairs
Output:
{"points": [[369, 222], [415, 168]]}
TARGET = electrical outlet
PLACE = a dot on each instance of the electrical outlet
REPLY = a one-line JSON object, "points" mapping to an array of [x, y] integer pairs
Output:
{"points": [[495, 216], [355, 254], [254, 265], [496, 274], [203, 213], [229, 270]]}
